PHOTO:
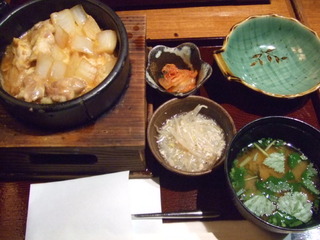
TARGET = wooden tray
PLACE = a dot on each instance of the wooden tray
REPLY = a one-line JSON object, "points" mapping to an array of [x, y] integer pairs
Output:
{"points": [[209, 192], [115, 142]]}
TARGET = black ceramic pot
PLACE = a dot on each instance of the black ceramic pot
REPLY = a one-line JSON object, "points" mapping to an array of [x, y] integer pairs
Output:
{"points": [[87, 107], [298, 133]]}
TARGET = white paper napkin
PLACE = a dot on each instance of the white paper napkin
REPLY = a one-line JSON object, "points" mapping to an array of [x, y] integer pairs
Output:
{"points": [[145, 198], [100, 208], [81, 209]]}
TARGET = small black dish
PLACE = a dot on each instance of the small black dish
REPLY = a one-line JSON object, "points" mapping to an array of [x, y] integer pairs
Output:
{"points": [[296, 132], [184, 56]]}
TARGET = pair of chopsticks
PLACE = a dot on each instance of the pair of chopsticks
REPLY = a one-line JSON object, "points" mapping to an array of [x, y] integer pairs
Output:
{"points": [[178, 215]]}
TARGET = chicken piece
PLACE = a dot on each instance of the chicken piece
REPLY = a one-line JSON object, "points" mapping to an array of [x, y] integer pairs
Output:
{"points": [[21, 53], [18, 64], [65, 89], [178, 80], [12, 88], [41, 38], [32, 89]]}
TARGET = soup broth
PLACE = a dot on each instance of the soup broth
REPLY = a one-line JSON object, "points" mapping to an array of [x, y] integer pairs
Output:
{"points": [[277, 182]]}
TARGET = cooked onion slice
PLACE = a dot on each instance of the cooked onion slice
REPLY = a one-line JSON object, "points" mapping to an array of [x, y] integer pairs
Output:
{"points": [[65, 20], [44, 62], [82, 44], [58, 54], [91, 28], [61, 37], [106, 41], [58, 70], [73, 64], [79, 14], [86, 71]]}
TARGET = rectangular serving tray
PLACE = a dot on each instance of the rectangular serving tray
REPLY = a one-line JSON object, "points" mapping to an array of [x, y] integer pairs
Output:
{"points": [[209, 192]]}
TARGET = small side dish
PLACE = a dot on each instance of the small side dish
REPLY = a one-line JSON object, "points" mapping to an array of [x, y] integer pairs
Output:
{"points": [[177, 80], [58, 59], [277, 182], [177, 71], [190, 136], [190, 141]]}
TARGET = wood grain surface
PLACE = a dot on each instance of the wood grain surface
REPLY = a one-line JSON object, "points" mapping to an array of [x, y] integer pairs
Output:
{"points": [[206, 21], [115, 141]]}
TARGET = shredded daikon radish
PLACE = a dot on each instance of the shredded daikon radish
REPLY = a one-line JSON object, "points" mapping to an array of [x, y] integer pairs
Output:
{"points": [[191, 141]]}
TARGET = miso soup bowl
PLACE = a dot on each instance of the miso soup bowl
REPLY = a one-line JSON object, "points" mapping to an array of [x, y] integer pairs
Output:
{"points": [[87, 107], [296, 132]]}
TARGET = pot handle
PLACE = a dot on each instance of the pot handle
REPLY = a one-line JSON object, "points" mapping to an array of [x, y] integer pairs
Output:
{"points": [[4, 7]]}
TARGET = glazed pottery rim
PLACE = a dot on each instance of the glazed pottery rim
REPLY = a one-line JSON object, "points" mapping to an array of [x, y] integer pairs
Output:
{"points": [[230, 76], [157, 86], [280, 120], [123, 51], [220, 161]]}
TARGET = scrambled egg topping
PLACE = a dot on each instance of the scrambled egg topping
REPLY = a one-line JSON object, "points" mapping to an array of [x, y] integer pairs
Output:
{"points": [[54, 63]]}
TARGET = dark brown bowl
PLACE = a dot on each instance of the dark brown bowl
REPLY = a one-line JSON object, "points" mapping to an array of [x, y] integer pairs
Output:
{"points": [[87, 107], [296, 132], [180, 105]]}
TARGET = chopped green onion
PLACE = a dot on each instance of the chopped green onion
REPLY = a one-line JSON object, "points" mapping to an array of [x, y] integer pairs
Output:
{"points": [[261, 150], [245, 161], [270, 145]]}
